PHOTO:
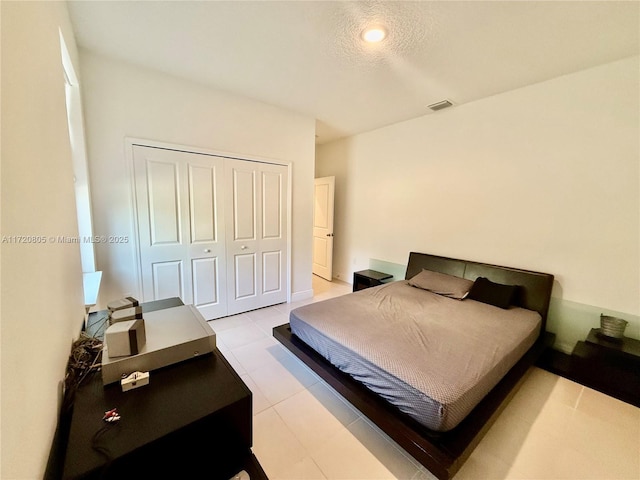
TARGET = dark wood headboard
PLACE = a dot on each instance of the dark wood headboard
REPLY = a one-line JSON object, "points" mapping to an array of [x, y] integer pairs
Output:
{"points": [[535, 287]]}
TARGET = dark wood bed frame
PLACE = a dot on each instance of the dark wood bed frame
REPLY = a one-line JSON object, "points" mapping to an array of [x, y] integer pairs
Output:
{"points": [[441, 453]]}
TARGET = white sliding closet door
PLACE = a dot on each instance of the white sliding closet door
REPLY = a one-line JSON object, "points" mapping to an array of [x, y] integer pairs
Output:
{"points": [[181, 227], [211, 230], [256, 234]]}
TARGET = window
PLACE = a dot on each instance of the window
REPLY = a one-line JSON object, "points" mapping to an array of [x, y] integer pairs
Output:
{"points": [[80, 177]]}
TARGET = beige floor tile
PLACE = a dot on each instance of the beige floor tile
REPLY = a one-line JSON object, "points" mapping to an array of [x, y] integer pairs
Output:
{"points": [[256, 354], [553, 418], [241, 335], [344, 457], [278, 383], [308, 419], [338, 406], [562, 443], [262, 313], [616, 448], [233, 361], [386, 451], [608, 409], [541, 458], [326, 296], [541, 388], [259, 401], [566, 392], [306, 469], [505, 438], [275, 446], [297, 368], [282, 355], [336, 289], [221, 324], [482, 465], [540, 383], [267, 324], [320, 285], [526, 406], [424, 474]]}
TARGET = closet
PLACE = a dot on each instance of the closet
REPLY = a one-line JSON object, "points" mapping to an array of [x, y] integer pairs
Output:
{"points": [[211, 230]]}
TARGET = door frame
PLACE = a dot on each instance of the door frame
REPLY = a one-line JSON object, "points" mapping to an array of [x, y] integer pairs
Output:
{"points": [[130, 142]]}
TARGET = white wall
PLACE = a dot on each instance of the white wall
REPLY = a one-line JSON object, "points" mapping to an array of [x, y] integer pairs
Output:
{"points": [[42, 301], [123, 100], [545, 177]]}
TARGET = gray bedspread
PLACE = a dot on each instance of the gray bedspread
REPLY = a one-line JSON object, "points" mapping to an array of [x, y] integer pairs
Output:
{"points": [[433, 357]]}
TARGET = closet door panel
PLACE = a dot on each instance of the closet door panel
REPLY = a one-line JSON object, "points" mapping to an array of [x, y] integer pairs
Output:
{"points": [[272, 208], [202, 204], [178, 206], [168, 280], [205, 281], [245, 273], [244, 204], [163, 203], [273, 240], [207, 249], [243, 194], [272, 280]]}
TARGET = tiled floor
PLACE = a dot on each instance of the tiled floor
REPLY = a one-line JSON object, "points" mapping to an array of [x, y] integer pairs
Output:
{"points": [[552, 429]]}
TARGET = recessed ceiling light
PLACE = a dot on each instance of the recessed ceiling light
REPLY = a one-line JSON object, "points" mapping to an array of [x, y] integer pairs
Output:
{"points": [[374, 34]]}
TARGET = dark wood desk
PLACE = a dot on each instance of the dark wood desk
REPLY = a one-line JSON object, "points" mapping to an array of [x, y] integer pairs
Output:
{"points": [[193, 420]]}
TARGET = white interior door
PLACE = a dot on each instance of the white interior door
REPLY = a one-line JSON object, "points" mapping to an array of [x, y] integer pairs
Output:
{"points": [[323, 227], [256, 235], [181, 227]]}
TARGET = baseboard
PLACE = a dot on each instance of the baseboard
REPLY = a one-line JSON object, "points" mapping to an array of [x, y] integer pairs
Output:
{"points": [[299, 296]]}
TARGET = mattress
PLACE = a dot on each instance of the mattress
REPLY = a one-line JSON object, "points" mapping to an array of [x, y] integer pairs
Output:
{"points": [[432, 357]]}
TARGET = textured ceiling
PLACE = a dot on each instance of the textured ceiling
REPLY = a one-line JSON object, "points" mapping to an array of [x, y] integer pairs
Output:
{"points": [[308, 57]]}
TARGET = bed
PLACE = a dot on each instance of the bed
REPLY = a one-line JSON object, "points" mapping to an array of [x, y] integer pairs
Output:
{"points": [[431, 359]]}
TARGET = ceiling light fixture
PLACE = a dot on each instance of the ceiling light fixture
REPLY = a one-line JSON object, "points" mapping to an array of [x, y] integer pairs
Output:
{"points": [[374, 34]]}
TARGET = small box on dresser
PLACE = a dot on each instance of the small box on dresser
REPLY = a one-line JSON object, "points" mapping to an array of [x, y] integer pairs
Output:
{"points": [[126, 338]]}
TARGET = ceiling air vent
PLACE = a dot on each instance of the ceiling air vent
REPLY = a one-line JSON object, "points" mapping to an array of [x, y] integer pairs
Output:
{"points": [[440, 105]]}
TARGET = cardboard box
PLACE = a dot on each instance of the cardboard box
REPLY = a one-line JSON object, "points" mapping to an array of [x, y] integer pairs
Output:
{"points": [[125, 338], [126, 302], [125, 314]]}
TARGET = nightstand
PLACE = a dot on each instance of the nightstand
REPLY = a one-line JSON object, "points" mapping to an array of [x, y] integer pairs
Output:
{"points": [[609, 365], [369, 278]]}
